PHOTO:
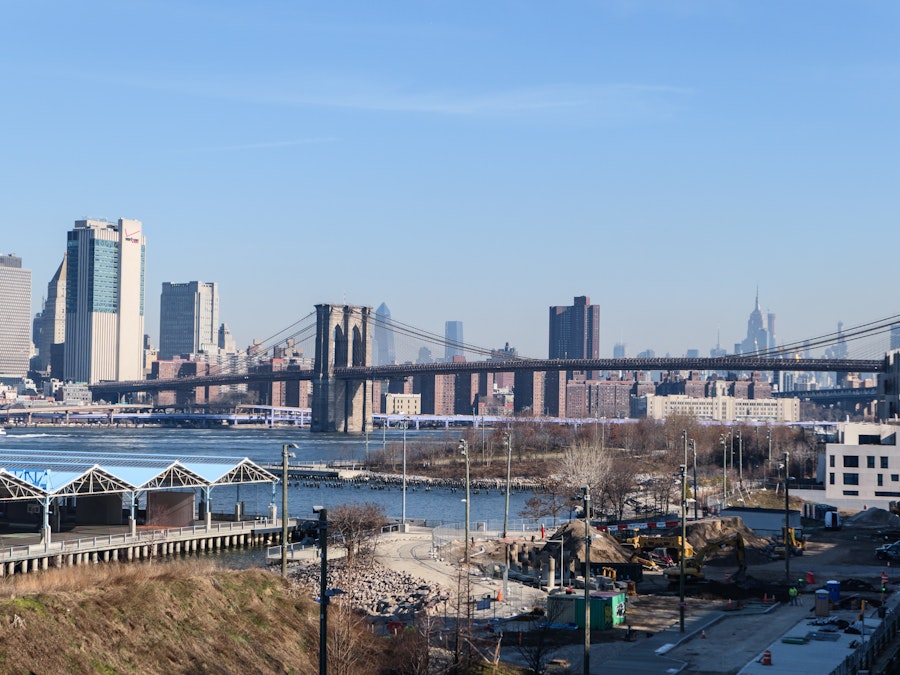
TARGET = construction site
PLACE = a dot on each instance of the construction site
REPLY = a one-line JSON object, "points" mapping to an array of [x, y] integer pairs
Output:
{"points": [[739, 613]]}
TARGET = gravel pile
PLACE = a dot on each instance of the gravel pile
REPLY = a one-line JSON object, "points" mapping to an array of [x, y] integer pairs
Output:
{"points": [[373, 588], [874, 517]]}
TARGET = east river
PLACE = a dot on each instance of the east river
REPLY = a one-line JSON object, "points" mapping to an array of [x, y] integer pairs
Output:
{"points": [[264, 446]]}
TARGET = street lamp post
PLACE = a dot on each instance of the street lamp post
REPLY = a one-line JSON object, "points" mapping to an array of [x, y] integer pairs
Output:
{"points": [[508, 441], [323, 589], [404, 424], [694, 451], [284, 503], [683, 471], [740, 438], [464, 449], [586, 493], [724, 472], [787, 518]]}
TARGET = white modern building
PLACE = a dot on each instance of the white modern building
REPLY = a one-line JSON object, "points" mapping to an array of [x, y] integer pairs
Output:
{"points": [[720, 408], [188, 319], [104, 301], [863, 466], [15, 317]]}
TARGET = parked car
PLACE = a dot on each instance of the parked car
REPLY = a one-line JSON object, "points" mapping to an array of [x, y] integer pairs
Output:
{"points": [[888, 551]]}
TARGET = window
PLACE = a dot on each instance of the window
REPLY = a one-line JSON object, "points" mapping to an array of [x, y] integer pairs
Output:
{"points": [[851, 479], [851, 461], [831, 461], [831, 478], [851, 493], [880, 480], [870, 462], [895, 477], [884, 463]]}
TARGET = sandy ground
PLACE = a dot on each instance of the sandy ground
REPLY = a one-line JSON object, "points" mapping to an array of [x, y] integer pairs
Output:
{"points": [[730, 644]]}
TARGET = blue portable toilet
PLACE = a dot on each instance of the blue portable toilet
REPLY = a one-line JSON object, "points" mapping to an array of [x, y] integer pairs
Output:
{"points": [[834, 591]]}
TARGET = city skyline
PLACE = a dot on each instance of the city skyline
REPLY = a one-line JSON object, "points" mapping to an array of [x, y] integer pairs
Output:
{"points": [[656, 158]]}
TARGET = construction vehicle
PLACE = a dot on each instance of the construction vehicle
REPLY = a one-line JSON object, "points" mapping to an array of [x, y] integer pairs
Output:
{"points": [[796, 543], [655, 552], [693, 566]]}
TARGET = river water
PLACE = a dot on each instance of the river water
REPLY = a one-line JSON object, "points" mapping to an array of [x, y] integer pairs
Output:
{"points": [[264, 446]]}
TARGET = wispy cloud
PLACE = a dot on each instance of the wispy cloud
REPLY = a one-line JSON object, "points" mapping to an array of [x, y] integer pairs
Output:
{"points": [[331, 90], [259, 146]]}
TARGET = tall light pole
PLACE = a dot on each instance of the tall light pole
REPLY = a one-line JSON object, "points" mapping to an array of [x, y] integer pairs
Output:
{"points": [[740, 438], [464, 449], [769, 442], [404, 424], [787, 518], [724, 472], [694, 451], [586, 494], [284, 503], [683, 471], [323, 589], [507, 438]]}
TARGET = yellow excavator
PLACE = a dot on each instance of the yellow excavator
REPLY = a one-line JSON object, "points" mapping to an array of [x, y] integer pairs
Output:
{"points": [[693, 566], [654, 552], [797, 543]]}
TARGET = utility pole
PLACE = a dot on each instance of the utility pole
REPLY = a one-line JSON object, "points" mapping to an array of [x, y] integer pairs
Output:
{"points": [[586, 492], [507, 437], [683, 472], [694, 451], [787, 518]]}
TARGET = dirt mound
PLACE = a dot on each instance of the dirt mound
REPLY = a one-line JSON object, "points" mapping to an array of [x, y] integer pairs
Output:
{"points": [[875, 518], [701, 533], [603, 546]]}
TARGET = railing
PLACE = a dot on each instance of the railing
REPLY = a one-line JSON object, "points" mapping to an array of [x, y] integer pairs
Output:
{"points": [[482, 529], [15, 553], [871, 646]]}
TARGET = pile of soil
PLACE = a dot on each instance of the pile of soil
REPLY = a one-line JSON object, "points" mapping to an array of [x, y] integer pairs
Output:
{"points": [[603, 546], [701, 533], [874, 518]]}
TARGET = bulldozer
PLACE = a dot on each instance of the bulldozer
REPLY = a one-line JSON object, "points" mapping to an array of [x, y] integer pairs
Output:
{"points": [[789, 537], [693, 566]]}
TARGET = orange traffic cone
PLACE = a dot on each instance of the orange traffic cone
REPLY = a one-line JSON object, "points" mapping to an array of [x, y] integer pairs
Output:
{"points": [[766, 659], [499, 596], [703, 634]]}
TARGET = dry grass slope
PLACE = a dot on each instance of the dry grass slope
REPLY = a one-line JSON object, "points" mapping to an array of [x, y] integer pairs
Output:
{"points": [[175, 618]]}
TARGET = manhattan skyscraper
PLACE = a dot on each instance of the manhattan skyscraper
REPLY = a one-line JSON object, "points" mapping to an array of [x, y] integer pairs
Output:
{"points": [[15, 317], [104, 301], [188, 318]]}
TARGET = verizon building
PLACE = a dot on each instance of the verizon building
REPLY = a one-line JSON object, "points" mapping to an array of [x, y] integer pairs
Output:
{"points": [[104, 301]]}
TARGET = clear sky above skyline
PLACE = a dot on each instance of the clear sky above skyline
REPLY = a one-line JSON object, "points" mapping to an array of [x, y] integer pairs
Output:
{"points": [[471, 161]]}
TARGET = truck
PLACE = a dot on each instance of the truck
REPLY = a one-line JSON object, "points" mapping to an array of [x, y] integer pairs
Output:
{"points": [[693, 566]]}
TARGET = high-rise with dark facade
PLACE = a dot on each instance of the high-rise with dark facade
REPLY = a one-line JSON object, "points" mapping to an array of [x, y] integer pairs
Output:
{"points": [[575, 330], [188, 318]]}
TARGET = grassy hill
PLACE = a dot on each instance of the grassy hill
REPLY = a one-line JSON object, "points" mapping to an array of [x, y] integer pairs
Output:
{"points": [[186, 617]]}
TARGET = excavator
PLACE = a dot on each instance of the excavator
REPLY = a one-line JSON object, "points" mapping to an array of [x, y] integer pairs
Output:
{"points": [[693, 566], [789, 536], [655, 551]]}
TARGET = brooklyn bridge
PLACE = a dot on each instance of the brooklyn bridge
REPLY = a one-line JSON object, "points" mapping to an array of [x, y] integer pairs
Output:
{"points": [[342, 373]]}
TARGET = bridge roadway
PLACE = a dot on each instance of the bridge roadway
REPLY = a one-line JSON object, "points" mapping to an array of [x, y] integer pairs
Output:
{"points": [[360, 373]]}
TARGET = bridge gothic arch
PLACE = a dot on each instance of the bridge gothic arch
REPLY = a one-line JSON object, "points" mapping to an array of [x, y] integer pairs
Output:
{"points": [[343, 337]]}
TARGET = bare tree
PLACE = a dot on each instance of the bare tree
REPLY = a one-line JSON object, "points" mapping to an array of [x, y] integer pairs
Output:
{"points": [[358, 525], [584, 463], [620, 482], [551, 500], [538, 645], [350, 648]]}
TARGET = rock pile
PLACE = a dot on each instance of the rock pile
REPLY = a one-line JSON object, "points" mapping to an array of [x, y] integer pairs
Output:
{"points": [[372, 588]]}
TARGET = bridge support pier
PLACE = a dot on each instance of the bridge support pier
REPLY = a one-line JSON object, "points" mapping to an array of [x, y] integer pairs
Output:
{"points": [[343, 339]]}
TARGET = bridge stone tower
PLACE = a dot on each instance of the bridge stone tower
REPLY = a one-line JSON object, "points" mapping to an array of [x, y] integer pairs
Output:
{"points": [[343, 339]]}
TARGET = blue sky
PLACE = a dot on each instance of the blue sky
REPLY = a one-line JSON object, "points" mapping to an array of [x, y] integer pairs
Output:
{"points": [[473, 161]]}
